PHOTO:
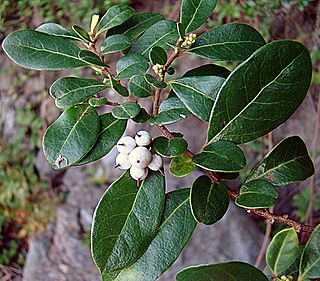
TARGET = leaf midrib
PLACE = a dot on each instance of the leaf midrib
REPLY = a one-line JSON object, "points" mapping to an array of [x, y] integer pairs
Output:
{"points": [[279, 254], [193, 89], [223, 43], [104, 28], [80, 88], [193, 16]]}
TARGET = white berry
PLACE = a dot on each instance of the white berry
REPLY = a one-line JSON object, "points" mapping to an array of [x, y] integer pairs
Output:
{"points": [[155, 163], [122, 161], [143, 138], [140, 157], [138, 174], [126, 145]]}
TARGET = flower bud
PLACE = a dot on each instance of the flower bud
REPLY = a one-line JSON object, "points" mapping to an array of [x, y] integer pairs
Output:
{"points": [[143, 138], [140, 157], [126, 145], [155, 163], [138, 174], [122, 161]]}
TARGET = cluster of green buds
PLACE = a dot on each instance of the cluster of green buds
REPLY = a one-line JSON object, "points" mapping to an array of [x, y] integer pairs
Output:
{"points": [[189, 40], [159, 69], [286, 278]]}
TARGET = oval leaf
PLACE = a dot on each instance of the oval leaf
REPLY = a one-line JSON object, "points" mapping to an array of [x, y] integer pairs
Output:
{"points": [[91, 58], [209, 202], [139, 87], [181, 166], [115, 43], [208, 70], [118, 88], [83, 34], [57, 30], [261, 93], [154, 82], [130, 65], [158, 55], [142, 117], [126, 110], [169, 147]]}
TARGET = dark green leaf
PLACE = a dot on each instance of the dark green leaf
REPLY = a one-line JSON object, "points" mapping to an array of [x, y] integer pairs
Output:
{"points": [[57, 30], [125, 221], [115, 43], [181, 166], [261, 93], [41, 51], [91, 58], [158, 55], [130, 65], [221, 156], [171, 70], [209, 201], [111, 130], [115, 16], [142, 117], [170, 240], [228, 42], [136, 25], [118, 88], [198, 93], [69, 91], [208, 70], [71, 136], [126, 110], [288, 162], [154, 82], [194, 13], [160, 34], [228, 176], [181, 29], [139, 87], [257, 194], [97, 102], [283, 250], [83, 34], [170, 147], [235, 271], [310, 259]]}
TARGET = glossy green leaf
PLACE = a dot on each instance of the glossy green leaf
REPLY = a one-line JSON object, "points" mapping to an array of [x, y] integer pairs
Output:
{"points": [[82, 33], [71, 136], [162, 34], [172, 236], [194, 13], [115, 43], [69, 91], [221, 156], [310, 259], [115, 16], [228, 176], [142, 117], [257, 194], [198, 93], [283, 250], [130, 65], [97, 102], [261, 93], [169, 147], [136, 25], [228, 42], [158, 55], [126, 220], [111, 130], [288, 162], [118, 88], [154, 82], [208, 70], [229, 271], [209, 201], [126, 110], [171, 110], [41, 51], [181, 30], [181, 166], [139, 87], [91, 58], [57, 30]]}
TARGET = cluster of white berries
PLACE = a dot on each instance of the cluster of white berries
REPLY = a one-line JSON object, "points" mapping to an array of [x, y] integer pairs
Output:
{"points": [[286, 278], [189, 40], [134, 154], [159, 69]]}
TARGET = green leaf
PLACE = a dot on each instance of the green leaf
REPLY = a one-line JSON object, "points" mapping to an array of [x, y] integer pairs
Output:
{"points": [[154, 82], [173, 234], [83, 34], [257, 194], [115, 43], [91, 58], [194, 13], [221, 156], [111, 130], [198, 93], [126, 220], [171, 110], [261, 93], [69, 91], [288, 162], [158, 55], [136, 25], [115, 16], [228, 42], [118, 88], [130, 65], [208, 70], [237, 271], [139, 87], [283, 250], [209, 201], [162, 34], [71, 136], [98, 101], [41, 51], [57, 30], [228, 176], [181, 166], [169, 147], [310, 259], [142, 117], [181, 30], [126, 110]]}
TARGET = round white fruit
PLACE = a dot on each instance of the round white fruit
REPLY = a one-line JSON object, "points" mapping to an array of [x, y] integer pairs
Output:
{"points": [[122, 161], [156, 163], [143, 138], [138, 174], [140, 157], [126, 144]]}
